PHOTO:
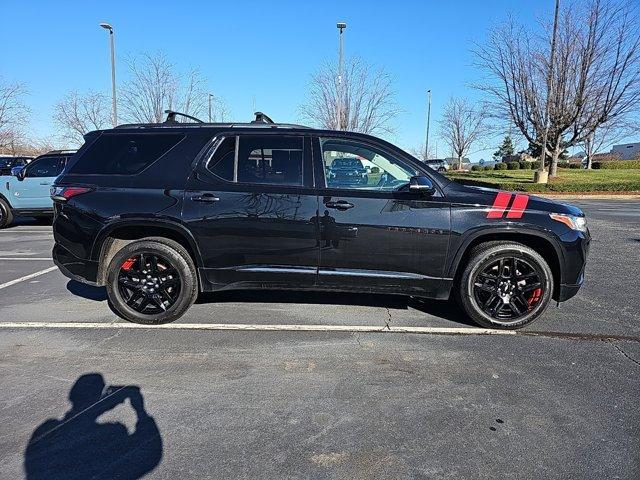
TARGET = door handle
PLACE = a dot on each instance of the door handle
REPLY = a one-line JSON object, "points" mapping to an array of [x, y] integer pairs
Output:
{"points": [[339, 205], [44, 183], [207, 198]]}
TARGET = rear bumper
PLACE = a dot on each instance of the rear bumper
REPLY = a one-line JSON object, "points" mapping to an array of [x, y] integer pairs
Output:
{"points": [[85, 271]]}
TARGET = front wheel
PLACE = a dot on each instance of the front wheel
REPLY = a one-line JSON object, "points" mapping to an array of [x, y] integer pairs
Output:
{"points": [[151, 281], [6, 216], [505, 285]]}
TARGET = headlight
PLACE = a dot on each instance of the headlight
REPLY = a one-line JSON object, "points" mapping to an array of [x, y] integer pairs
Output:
{"points": [[571, 221]]}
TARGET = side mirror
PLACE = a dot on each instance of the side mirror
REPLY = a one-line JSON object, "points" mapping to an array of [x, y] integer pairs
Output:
{"points": [[16, 170], [422, 185], [21, 174]]}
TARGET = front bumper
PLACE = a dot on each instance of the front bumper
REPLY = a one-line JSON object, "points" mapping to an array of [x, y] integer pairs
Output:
{"points": [[81, 270], [575, 247]]}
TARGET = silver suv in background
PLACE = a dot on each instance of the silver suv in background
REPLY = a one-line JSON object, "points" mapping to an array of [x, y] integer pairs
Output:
{"points": [[437, 165]]}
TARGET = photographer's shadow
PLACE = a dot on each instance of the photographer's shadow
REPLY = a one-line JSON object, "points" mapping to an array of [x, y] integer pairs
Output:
{"points": [[78, 446]]}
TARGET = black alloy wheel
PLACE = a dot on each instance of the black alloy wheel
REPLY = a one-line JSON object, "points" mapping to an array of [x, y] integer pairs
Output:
{"points": [[508, 288], [151, 281], [505, 285], [148, 283]]}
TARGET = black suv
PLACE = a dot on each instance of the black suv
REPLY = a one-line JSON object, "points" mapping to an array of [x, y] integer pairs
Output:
{"points": [[161, 212]]}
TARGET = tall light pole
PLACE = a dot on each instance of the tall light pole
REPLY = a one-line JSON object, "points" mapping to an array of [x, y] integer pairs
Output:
{"points": [[210, 96], [542, 176], [106, 26], [341, 26], [426, 143]]}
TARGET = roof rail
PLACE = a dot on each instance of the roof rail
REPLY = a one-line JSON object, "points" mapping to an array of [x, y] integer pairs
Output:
{"points": [[59, 152], [171, 117]]}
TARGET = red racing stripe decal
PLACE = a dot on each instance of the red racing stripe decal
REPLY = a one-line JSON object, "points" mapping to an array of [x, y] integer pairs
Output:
{"points": [[518, 207], [499, 205]]}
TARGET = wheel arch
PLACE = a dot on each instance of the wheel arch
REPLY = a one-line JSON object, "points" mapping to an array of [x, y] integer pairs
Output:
{"points": [[542, 243], [114, 236], [2, 197]]}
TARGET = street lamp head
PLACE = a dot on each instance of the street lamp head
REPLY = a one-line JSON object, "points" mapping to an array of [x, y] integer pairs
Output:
{"points": [[106, 26], [341, 25]]}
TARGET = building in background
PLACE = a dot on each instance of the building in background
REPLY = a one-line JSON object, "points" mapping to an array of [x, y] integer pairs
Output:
{"points": [[626, 151]]}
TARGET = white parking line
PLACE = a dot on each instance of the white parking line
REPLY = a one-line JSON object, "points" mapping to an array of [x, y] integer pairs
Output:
{"points": [[258, 327], [26, 258], [48, 232], [27, 277]]}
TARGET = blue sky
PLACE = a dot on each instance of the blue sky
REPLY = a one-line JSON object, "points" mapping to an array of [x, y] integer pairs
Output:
{"points": [[266, 50]]}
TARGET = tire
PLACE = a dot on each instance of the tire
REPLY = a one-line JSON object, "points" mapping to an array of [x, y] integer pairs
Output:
{"points": [[525, 270], [6, 216], [128, 287]]}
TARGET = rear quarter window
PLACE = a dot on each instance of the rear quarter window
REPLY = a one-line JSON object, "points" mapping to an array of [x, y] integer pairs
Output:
{"points": [[124, 154]]}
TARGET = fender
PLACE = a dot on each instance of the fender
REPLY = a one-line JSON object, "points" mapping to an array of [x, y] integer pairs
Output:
{"points": [[472, 234], [177, 227], [6, 200]]}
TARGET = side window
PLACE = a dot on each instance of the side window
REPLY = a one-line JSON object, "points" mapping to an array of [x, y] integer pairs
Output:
{"points": [[124, 153], [223, 162], [260, 159], [353, 165], [45, 167], [270, 159]]}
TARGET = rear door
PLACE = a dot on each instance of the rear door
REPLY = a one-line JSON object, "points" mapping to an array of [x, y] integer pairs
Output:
{"points": [[372, 234], [33, 191], [251, 206]]}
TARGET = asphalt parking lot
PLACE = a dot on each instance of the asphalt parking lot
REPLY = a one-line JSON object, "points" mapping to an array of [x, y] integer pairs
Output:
{"points": [[248, 385]]}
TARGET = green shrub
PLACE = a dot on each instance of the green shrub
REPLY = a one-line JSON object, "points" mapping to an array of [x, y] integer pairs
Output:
{"points": [[617, 165], [488, 168], [575, 165], [500, 166], [513, 165], [535, 165], [476, 168], [564, 165]]}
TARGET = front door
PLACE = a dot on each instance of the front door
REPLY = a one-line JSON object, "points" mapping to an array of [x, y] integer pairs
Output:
{"points": [[33, 190], [374, 233], [252, 208]]}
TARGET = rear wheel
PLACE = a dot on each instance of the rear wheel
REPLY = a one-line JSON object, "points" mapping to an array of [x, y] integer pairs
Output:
{"points": [[6, 216], [505, 285], [152, 281]]}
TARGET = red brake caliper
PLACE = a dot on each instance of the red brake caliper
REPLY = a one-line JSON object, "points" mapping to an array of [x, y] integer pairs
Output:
{"points": [[534, 297], [128, 263]]}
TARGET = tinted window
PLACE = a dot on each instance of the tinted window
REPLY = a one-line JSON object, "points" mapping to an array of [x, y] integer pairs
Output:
{"points": [[263, 159], [270, 159], [124, 154], [46, 167], [222, 162]]}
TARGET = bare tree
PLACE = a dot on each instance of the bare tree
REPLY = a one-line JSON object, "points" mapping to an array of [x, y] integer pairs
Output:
{"points": [[368, 103], [13, 111], [76, 114], [462, 125], [418, 152], [155, 86], [605, 136], [595, 80]]}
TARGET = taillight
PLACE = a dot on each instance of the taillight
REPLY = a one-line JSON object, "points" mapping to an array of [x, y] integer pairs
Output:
{"points": [[62, 194]]}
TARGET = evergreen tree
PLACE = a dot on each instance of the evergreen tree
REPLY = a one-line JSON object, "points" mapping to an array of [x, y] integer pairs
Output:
{"points": [[505, 150]]}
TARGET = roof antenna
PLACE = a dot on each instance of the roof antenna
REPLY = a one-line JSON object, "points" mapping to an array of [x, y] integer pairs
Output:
{"points": [[262, 118]]}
